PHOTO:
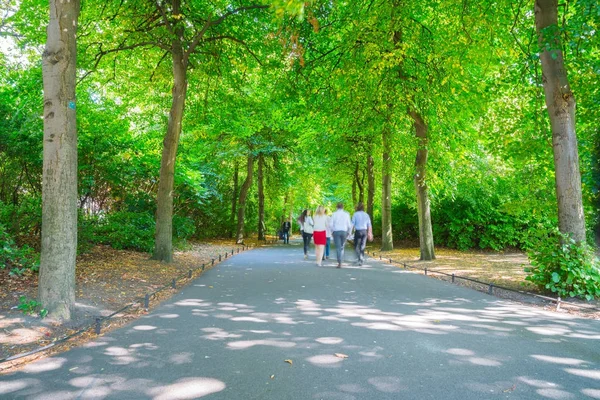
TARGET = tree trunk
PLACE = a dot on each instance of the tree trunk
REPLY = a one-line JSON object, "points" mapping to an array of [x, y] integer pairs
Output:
{"points": [[371, 185], [234, 199], [163, 248], [56, 288], [242, 201], [261, 198], [354, 200], [387, 241], [561, 110], [423, 209], [360, 182]]}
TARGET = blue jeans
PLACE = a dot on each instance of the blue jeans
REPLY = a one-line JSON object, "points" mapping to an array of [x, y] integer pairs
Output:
{"points": [[339, 238], [286, 237], [327, 246]]}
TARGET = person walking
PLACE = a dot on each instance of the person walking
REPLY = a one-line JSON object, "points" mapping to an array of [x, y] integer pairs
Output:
{"points": [[285, 229], [341, 227], [328, 235], [320, 233], [300, 222], [307, 230], [363, 230]]}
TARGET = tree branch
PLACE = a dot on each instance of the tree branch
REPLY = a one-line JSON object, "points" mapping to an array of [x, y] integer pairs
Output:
{"points": [[200, 35], [165, 17], [233, 39]]}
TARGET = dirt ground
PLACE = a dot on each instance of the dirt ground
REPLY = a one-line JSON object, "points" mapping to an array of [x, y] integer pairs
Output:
{"points": [[108, 280]]}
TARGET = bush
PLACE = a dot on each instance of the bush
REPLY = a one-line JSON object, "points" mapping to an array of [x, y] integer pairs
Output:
{"points": [[466, 223], [126, 230], [183, 227], [564, 267], [405, 222], [23, 221], [18, 259]]}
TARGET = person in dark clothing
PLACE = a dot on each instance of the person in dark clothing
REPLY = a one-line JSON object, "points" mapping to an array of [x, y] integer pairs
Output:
{"points": [[285, 230]]}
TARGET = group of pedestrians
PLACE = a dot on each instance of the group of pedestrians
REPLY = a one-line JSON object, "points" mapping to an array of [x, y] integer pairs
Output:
{"points": [[339, 226]]}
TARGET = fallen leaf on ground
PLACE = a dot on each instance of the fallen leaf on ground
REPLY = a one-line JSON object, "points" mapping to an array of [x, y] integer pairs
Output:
{"points": [[340, 355], [510, 389], [289, 362]]}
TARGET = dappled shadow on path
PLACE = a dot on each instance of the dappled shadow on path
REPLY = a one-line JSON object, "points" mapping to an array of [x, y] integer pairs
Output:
{"points": [[355, 345]]}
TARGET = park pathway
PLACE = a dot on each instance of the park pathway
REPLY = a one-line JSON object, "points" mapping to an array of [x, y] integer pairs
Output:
{"points": [[265, 324]]}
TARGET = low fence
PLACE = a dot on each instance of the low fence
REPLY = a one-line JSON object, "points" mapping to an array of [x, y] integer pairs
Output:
{"points": [[491, 287], [96, 325]]}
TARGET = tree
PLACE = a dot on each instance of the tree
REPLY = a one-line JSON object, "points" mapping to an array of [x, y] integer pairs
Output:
{"points": [[423, 209], [560, 102], [56, 289], [188, 32], [243, 197], [370, 183], [234, 197], [387, 241], [261, 197], [180, 51]]}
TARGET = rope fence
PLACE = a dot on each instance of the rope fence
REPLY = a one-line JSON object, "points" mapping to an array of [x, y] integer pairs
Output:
{"points": [[453, 277], [145, 301]]}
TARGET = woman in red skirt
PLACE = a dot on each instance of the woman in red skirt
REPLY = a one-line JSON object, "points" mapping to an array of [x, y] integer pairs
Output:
{"points": [[320, 233]]}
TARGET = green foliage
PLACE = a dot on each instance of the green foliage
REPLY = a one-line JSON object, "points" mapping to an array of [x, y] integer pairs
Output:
{"points": [[23, 221], [19, 259], [406, 223], [31, 307], [330, 76], [126, 230], [564, 267], [480, 222], [183, 227]]}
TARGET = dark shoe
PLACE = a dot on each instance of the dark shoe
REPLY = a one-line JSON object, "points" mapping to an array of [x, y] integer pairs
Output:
{"points": [[339, 265]]}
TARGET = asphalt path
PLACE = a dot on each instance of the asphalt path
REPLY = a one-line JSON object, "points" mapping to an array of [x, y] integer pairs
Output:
{"points": [[266, 324]]}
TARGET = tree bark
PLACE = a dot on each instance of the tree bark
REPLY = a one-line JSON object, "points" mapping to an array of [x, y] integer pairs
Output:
{"points": [[371, 185], [561, 110], [423, 205], [387, 241], [163, 248], [56, 288], [234, 199], [242, 201], [261, 198], [354, 201], [360, 183]]}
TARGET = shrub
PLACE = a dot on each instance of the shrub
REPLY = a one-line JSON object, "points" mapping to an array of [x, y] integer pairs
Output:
{"points": [[19, 259], [31, 307], [23, 221], [183, 227], [563, 266], [405, 222], [126, 230]]}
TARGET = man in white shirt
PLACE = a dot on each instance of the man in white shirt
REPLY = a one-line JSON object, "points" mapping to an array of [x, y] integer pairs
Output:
{"points": [[341, 226]]}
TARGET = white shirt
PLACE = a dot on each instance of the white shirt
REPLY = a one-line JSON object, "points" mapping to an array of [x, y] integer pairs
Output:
{"points": [[340, 221], [320, 222], [328, 227]]}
